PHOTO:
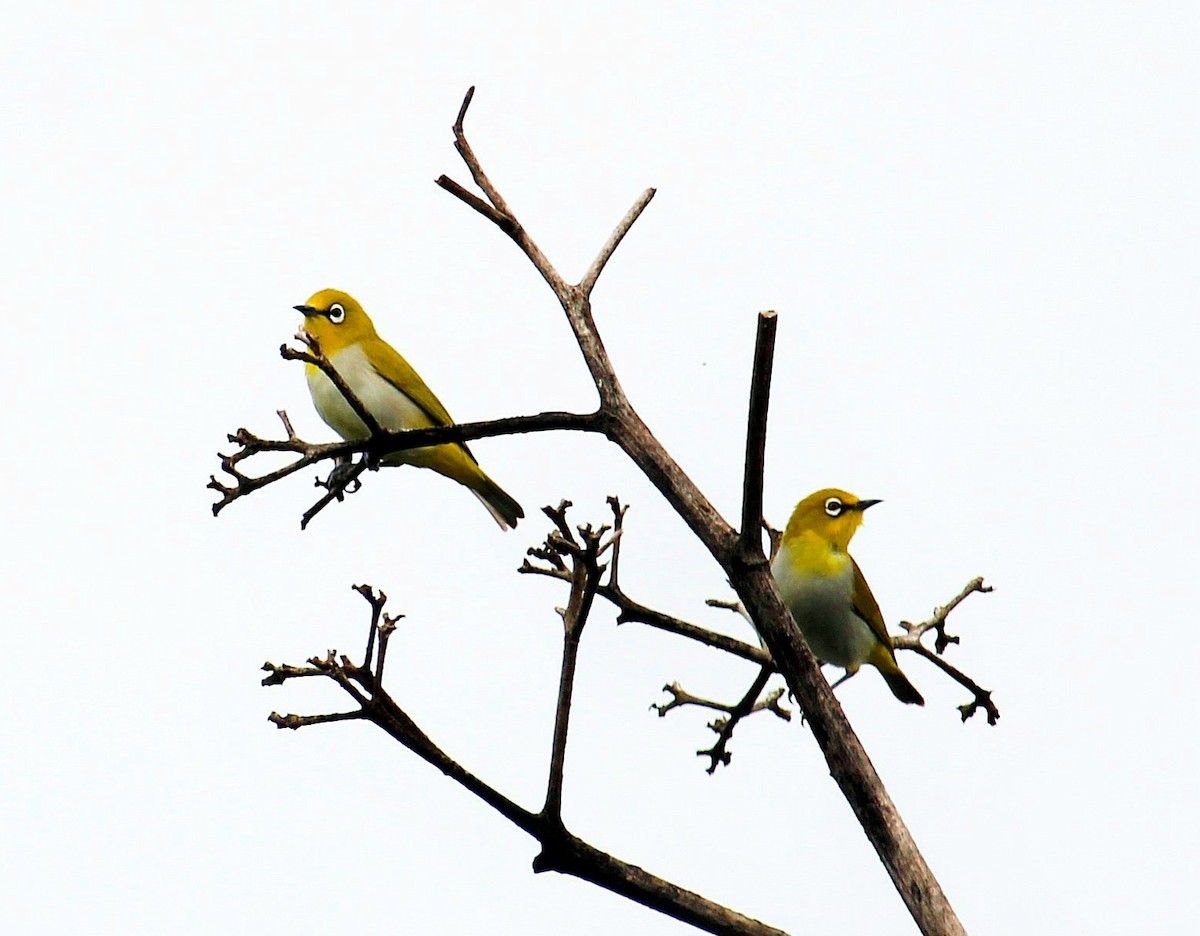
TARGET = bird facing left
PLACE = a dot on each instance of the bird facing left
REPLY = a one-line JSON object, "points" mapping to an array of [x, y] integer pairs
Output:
{"points": [[392, 392]]}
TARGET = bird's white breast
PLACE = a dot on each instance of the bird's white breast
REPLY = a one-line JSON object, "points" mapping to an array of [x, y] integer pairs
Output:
{"points": [[392, 408], [823, 606]]}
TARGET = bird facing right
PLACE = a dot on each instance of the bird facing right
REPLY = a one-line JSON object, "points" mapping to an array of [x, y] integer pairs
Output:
{"points": [[827, 594]]}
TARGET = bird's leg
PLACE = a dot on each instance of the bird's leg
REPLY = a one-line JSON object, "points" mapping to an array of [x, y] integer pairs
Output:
{"points": [[845, 676], [343, 479]]}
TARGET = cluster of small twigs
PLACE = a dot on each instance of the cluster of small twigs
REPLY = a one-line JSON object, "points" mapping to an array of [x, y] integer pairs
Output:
{"points": [[911, 640], [719, 754]]}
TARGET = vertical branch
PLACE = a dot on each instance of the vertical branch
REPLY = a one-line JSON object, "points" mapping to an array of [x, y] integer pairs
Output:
{"points": [[562, 717], [585, 579], [750, 539]]}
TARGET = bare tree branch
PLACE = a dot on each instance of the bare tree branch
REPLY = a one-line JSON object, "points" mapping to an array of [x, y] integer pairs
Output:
{"points": [[503, 217], [588, 283], [937, 623], [315, 356], [385, 443], [631, 611], [756, 434], [750, 703], [584, 561], [560, 850], [740, 556], [750, 576]]}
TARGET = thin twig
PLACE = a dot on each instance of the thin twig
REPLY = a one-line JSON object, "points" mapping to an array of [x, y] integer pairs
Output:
{"points": [[749, 704], [315, 356], [619, 511], [633, 612], [912, 640], [719, 753], [938, 621], [588, 283], [982, 697], [376, 600], [336, 489], [505, 219], [502, 221], [296, 722]]}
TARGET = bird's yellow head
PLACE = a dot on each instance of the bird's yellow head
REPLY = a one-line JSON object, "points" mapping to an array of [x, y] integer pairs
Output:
{"points": [[336, 320], [832, 515]]}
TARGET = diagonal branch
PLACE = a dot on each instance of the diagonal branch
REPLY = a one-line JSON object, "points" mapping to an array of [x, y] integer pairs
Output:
{"points": [[630, 611], [719, 752], [316, 357], [503, 216], [588, 283], [751, 579], [938, 621]]}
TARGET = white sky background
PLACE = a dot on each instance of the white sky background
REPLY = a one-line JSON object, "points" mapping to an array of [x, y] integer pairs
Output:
{"points": [[978, 224]]}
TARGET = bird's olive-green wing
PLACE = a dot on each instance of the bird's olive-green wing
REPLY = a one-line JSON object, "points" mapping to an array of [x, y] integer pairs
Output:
{"points": [[392, 367], [867, 608]]}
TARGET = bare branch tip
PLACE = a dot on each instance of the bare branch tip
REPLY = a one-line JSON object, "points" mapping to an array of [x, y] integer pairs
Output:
{"points": [[462, 111]]}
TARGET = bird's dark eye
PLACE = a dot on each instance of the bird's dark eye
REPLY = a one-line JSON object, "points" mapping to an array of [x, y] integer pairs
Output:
{"points": [[834, 507], [336, 313]]}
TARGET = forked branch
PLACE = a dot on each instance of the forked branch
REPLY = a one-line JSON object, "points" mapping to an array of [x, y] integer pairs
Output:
{"points": [[750, 576], [560, 850], [739, 555]]}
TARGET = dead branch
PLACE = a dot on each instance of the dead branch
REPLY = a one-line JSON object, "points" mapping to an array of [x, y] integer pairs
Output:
{"points": [[630, 611], [750, 541], [582, 556], [750, 576], [750, 703], [740, 556], [377, 446], [911, 640], [561, 850]]}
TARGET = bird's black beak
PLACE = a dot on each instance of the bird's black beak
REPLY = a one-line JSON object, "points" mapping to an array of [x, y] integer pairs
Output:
{"points": [[308, 311], [864, 504]]}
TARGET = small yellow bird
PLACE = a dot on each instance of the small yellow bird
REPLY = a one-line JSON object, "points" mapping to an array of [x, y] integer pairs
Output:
{"points": [[392, 392], [825, 590]]}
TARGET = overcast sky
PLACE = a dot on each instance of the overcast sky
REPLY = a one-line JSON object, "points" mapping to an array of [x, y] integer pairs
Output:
{"points": [[978, 226]]}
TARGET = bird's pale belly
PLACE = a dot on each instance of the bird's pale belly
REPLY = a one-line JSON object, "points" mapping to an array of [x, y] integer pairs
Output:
{"points": [[824, 612], [392, 408]]}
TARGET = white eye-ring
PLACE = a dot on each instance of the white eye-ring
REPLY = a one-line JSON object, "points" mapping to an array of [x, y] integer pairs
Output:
{"points": [[834, 507], [336, 313]]}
